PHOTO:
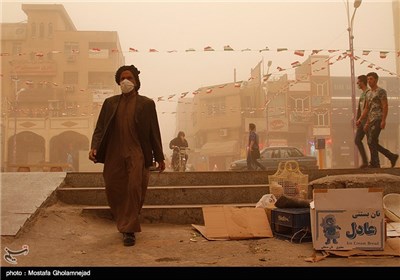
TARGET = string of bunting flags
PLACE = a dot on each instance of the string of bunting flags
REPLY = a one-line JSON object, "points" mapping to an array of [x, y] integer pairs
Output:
{"points": [[226, 48], [333, 58]]}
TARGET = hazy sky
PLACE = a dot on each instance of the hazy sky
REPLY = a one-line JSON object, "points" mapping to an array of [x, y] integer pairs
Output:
{"points": [[180, 25]]}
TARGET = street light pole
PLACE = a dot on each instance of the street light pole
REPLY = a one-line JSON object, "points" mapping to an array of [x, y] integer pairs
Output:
{"points": [[17, 92], [357, 4], [268, 101]]}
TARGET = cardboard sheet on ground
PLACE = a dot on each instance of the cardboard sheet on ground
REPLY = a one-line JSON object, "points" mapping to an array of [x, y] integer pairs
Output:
{"points": [[393, 229], [392, 248], [232, 223]]}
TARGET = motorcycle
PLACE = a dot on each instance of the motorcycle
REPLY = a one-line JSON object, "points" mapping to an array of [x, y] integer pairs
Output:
{"points": [[179, 159]]}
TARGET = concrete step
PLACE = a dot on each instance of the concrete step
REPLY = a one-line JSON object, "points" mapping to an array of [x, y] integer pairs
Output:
{"points": [[170, 195], [178, 197], [95, 179], [174, 214]]}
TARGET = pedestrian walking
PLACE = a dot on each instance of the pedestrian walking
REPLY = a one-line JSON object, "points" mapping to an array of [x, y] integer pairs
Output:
{"points": [[360, 133], [253, 150], [126, 139], [376, 111]]}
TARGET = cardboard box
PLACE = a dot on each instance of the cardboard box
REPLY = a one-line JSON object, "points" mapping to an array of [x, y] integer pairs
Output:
{"points": [[346, 219], [226, 223]]}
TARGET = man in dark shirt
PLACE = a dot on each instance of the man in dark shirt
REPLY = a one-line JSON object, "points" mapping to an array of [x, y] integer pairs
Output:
{"points": [[253, 150], [360, 133]]}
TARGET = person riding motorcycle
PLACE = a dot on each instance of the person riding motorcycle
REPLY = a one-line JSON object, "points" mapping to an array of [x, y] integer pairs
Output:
{"points": [[175, 144]]}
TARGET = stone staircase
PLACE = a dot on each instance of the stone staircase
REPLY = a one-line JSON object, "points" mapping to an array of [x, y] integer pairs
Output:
{"points": [[178, 197], [171, 197]]}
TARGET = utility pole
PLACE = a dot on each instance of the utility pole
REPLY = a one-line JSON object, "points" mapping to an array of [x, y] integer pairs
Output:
{"points": [[265, 88], [15, 109], [357, 4]]}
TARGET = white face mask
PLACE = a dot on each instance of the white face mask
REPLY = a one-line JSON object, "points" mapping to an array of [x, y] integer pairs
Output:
{"points": [[126, 86]]}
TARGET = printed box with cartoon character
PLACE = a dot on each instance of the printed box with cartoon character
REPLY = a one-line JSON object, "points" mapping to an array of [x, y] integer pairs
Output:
{"points": [[346, 219]]}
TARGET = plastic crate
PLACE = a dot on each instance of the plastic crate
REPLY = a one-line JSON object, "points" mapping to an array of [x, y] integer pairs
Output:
{"points": [[292, 223]]}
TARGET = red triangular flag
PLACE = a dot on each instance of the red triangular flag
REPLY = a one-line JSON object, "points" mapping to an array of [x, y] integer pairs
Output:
{"points": [[299, 52], [383, 54]]}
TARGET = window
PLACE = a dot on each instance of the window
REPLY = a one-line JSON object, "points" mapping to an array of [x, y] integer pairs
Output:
{"points": [[216, 107], [50, 30], [101, 80], [275, 154], [54, 108], [71, 48], [322, 88], [16, 48], [71, 109], [321, 119], [285, 153], [100, 50], [70, 81], [294, 153], [277, 106], [247, 101], [338, 86], [33, 31], [300, 104], [267, 153], [41, 30]]}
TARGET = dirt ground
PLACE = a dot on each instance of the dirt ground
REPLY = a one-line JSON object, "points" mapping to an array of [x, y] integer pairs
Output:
{"points": [[61, 236]]}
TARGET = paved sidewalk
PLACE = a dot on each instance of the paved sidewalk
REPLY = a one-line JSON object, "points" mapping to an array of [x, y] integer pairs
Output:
{"points": [[59, 235], [22, 193]]}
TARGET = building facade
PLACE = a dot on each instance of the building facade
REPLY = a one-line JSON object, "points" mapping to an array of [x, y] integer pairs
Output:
{"points": [[299, 110], [312, 108], [217, 125], [286, 112], [55, 79]]}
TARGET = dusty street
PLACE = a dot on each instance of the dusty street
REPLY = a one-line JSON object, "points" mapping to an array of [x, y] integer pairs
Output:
{"points": [[61, 236]]}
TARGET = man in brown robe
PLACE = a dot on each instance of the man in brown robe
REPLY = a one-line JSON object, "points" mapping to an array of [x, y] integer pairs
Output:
{"points": [[126, 139]]}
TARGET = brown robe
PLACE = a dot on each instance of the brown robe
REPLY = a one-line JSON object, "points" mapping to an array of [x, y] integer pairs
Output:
{"points": [[125, 174]]}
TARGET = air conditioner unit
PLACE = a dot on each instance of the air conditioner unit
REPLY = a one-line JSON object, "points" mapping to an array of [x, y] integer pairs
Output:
{"points": [[223, 132], [71, 58]]}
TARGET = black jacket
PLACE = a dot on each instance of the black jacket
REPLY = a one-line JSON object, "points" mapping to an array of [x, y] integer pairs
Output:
{"points": [[146, 125], [178, 142]]}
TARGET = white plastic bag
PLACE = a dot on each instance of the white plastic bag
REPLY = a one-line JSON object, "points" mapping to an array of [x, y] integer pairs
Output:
{"points": [[267, 200]]}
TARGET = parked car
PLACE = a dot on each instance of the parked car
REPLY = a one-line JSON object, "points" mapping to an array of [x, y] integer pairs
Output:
{"points": [[271, 156]]}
